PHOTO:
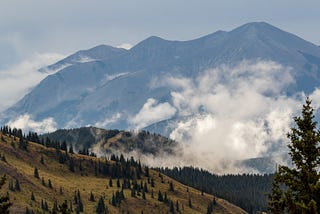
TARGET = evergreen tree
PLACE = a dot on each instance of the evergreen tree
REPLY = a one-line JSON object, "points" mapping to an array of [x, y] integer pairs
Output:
{"points": [[11, 187], [43, 182], [4, 200], [36, 173], [171, 188], [113, 200], [71, 165], [160, 197], [64, 208], [133, 192], [143, 195], [33, 198], [110, 182], [101, 208], [17, 185], [63, 146], [165, 199], [3, 158], [190, 202], [297, 189], [42, 160], [91, 197], [49, 183], [171, 207], [71, 149]]}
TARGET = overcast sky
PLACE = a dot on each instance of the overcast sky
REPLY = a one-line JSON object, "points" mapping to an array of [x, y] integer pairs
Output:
{"points": [[42, 26]]}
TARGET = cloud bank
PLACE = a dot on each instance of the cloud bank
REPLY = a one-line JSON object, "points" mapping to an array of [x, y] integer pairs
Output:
{"points": [[152, 112], [232, 113], [26, 123], [18, 80]]}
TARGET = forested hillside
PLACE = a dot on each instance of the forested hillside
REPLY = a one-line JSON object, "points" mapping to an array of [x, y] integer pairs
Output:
{"points": [[247, 191], [52, 178]]}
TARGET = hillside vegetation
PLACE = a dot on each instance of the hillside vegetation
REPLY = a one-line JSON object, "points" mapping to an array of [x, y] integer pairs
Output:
{"points": [[113, 141], [44, 180]]}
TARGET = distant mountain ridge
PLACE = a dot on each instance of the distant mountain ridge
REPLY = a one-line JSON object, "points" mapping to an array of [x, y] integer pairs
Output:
{"points": [[106, 86], [114, 141]]}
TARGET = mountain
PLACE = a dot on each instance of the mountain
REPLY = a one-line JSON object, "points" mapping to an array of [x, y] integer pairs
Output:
{"points": [[40, 179], [114, 141], [116, 88]]}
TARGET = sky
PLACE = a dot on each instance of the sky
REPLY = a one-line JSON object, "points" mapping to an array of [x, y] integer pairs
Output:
{"points": [[63, 27]]}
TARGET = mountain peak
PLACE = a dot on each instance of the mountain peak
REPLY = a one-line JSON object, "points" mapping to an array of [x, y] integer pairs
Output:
{"points": [[152, 41], [256, 27]]}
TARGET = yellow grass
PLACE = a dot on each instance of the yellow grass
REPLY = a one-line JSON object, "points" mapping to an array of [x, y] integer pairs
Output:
{"points": [[20, 165]]}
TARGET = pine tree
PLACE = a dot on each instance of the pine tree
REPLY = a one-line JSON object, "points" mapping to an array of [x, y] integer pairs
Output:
{"points": [[143, 195], [71, 149], [71, 165], [33, 198], [43, 182], [64, 208], [49, 183], [171, 207], [36, 173], [17, 185], [160, 197], [177, 206], [110, 182], [91, 197], [171, 188], [101, 208], [297, 189], [118, 183], [190, 202], [4, 200], [165, 198], [42, 160]]}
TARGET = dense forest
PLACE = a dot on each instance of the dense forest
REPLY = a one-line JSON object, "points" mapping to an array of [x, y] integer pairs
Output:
{"points": [[247, 191]]}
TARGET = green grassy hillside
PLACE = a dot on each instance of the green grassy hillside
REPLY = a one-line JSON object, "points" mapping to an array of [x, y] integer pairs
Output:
{"points": [[74, 175]]}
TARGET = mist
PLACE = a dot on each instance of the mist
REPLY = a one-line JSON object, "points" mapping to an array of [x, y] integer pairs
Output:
{"points": [[232, 113], [19, 79]]}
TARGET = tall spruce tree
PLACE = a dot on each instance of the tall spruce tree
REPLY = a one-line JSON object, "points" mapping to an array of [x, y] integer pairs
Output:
{"points": [[297, 189]]}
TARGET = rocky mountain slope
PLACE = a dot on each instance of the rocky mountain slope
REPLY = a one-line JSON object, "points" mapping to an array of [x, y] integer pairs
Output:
{"points": [[113, 88]]}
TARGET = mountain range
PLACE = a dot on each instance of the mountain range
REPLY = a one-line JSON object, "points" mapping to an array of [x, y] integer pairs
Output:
{"points": [[108, 87]]}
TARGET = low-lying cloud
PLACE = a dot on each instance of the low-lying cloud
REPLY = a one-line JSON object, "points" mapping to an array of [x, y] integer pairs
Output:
{"points": [[152, 112], [26, 123], [19, 79], [232, 113]]}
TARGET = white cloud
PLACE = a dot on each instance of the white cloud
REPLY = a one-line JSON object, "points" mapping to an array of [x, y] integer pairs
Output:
{"points": [[152, 112], [233, 113], [104, 123], [17, 80], [125, 46], [26, 123]]}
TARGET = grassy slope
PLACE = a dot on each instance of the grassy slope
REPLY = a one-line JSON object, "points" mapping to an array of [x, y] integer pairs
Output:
{"points": [[20, 165]]}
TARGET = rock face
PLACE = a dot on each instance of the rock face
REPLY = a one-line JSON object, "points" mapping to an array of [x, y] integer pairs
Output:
{"points": [[107, 86]]}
